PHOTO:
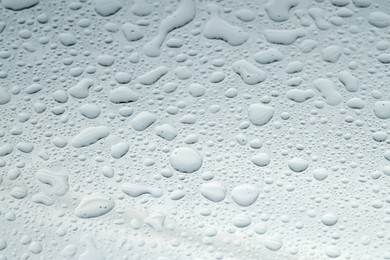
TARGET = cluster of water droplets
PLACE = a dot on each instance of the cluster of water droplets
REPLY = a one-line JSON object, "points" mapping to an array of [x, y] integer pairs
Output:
{"points": [[194, 129]]}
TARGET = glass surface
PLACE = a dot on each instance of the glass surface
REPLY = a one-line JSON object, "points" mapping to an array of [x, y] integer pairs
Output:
{"points": [[192, 129]]}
